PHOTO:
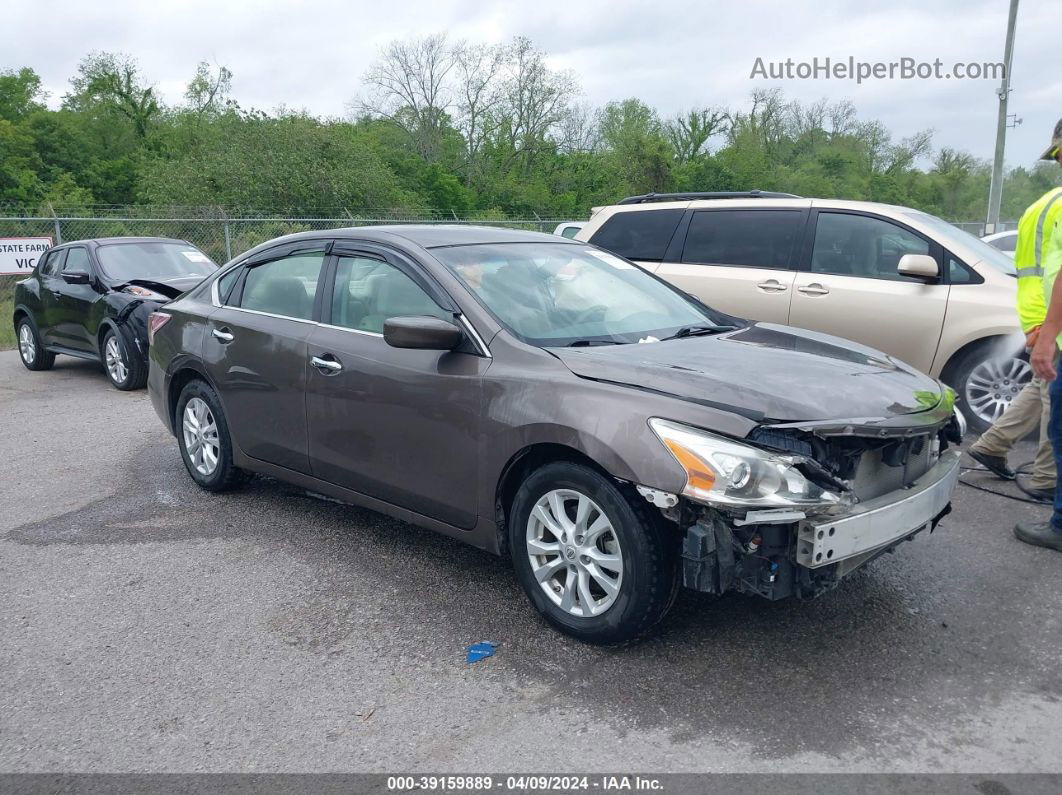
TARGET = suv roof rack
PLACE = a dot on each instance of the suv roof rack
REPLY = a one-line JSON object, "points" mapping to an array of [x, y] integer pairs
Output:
{"points": [[680, 197]]}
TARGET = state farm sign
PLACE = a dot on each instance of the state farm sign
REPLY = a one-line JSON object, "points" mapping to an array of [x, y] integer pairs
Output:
{"points": [[20, 254]]}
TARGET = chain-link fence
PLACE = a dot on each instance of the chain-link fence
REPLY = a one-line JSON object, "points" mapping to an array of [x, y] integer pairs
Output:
{"points": [[216, 232], [223, 235]]}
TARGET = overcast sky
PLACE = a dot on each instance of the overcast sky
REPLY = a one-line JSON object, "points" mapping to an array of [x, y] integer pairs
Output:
{"points": [[672, 55]]}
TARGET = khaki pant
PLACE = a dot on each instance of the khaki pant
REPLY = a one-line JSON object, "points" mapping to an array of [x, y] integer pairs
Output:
{"points": [[1031, 408]]}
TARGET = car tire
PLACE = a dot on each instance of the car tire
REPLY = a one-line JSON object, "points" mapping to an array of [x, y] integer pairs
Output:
{"points": [[122, 362], [606, 603], [204, 439], [30, 349], [984, 366]]}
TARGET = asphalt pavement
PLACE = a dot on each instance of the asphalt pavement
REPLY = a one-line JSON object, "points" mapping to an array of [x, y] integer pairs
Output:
{"points": [[148, 626]]}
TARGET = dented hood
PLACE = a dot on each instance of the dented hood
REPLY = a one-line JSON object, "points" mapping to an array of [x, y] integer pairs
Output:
{"points": [[765, 372]]}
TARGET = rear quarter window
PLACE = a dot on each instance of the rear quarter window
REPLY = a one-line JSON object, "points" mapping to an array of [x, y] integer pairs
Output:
{"points": [[638, 234]]}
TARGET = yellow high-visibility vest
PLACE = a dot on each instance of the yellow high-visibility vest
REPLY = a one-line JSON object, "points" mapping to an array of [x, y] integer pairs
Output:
{"points": [[1034, 233]]}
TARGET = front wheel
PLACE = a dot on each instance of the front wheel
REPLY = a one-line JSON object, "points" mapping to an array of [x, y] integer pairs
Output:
{"points": [[986, 380], [126, 369], [594, 561]]}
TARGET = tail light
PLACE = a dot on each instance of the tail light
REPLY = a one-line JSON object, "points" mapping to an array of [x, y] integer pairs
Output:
{"points": [[156, 320]]}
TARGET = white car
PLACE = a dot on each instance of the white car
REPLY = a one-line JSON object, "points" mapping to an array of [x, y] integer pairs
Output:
{"points": [[569, 229], [894, 278], [1006, 242]]}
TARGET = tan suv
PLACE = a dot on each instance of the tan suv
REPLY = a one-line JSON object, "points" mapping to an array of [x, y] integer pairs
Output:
{"points": [[896, 279]]}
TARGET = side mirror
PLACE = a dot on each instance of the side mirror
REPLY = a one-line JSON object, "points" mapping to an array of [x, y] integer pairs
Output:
{"points": [[918, 266], [423, 333], [75, 277]]}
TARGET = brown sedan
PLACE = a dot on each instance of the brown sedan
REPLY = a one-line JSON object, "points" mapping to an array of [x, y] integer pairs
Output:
{"points": [[541, 398]]}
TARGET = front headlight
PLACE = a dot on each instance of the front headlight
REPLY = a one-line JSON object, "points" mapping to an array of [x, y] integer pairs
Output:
{"points": [[724, 472]]}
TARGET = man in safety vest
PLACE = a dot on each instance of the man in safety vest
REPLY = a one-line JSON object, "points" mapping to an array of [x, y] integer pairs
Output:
{"points": [[1044, 353], [1031, 408]]}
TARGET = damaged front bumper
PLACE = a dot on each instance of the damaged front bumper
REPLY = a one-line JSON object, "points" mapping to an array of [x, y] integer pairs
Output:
{"points": [[879, 522], [776, 555]]}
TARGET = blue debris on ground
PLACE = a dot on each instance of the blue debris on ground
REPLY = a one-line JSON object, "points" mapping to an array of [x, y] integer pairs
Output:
{"points": [[480, 651]]}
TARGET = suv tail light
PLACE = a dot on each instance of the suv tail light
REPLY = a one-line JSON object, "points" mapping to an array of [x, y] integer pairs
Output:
{"points": [[156, 320]]}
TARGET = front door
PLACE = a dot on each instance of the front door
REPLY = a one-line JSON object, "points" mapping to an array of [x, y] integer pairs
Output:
{"points": [[256, 352], [74, 304], [396, 424], [738, 261], [848, 286]]}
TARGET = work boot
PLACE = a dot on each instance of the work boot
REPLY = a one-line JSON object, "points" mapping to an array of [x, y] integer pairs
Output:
{"points": [[1040, 495], [1039, 534], [996, 464]]}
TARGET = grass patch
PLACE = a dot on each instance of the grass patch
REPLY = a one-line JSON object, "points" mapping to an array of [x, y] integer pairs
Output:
{"points": [[7, 308]]}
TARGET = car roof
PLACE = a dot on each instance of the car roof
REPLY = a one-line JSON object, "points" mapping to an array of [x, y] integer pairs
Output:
{"points": [[423, 235], [103, 241]]}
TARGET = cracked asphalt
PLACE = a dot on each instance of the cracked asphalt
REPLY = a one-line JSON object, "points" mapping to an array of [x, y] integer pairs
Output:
{"points": [[148, 626]]}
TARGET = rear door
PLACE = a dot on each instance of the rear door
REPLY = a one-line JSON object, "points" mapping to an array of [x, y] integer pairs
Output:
{"points": [[51, 292], [398, 425], [256, 351], [739, 260], [848, 286]]}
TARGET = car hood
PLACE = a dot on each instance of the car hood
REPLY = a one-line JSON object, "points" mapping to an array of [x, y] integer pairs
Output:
{"points": [[765, 372]]}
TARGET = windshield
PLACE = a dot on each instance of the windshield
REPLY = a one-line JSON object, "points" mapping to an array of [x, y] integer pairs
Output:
{"points": [[554, 294], [986, 253], [157, 262]]}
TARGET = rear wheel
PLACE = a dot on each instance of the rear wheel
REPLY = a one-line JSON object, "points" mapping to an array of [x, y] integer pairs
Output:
{"points": [[203, 436], [594, 561], [986, 380], [30, 349], [125, 368]]}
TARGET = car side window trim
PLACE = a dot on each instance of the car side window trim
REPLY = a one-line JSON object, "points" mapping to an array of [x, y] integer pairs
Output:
{"points": [[803, 263], [678, 245]]}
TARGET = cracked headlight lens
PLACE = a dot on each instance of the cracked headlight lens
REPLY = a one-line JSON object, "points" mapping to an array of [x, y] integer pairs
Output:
{"points": [[721, 471]]}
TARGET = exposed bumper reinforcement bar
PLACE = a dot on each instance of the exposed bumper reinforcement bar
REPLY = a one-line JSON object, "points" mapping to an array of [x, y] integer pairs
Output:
{"points": [[879, 522]]}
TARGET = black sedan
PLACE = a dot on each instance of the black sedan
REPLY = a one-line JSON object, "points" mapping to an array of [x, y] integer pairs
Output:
{"points": [[92, 298]]}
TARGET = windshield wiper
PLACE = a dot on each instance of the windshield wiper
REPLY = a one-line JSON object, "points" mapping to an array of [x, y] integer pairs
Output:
{"points": [[697, 330], [589, 343]]}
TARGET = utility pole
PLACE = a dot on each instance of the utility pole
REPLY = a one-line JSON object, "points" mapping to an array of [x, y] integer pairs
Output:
{"points": [[995, 193]]}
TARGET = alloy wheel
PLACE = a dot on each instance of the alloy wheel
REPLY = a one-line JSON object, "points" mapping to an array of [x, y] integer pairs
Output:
{"points": [[27, 348], [574, 552], [993, 383], [201, 436], [116, 366]]}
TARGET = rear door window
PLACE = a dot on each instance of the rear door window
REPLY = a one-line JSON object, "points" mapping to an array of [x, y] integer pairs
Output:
{"points": [[745, 238], [638, 234], [54, 263], [284, 287]]}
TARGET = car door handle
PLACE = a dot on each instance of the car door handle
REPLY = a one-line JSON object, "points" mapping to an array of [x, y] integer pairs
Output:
{"points": [[813, 289], [223, 336], [326, 366], [772, 286], [57, 294]]}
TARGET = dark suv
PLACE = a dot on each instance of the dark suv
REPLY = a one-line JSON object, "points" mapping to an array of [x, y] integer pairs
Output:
{"points": [[544, 399], [91, 299]]}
